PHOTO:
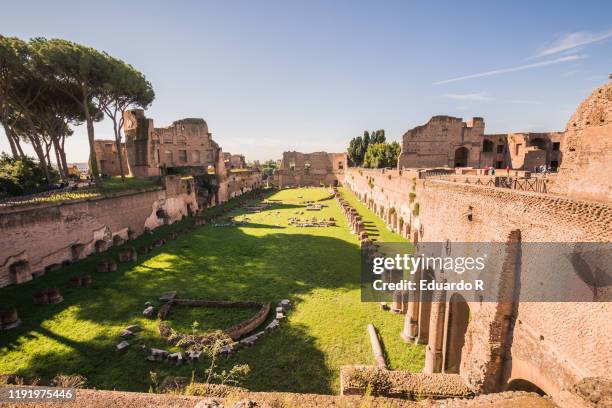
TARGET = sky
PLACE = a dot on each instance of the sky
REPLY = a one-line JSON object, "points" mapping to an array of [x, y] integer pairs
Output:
{"points": [[271, 76]]}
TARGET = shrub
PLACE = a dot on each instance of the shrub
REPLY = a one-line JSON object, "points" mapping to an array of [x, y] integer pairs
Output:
{"points": [[69, 381], [18, 177], [416, 210]]}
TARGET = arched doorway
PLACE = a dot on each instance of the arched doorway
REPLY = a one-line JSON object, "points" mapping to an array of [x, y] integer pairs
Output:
{"points": [[523, 385], [458, 320], [461, 157]]}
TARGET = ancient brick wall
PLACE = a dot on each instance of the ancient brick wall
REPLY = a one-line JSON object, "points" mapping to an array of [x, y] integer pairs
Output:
{"points": [[553, 344], [236, 183], [443, 141], [186, 143], [76, 227], [587, 149], [108, 161], [310, 169]]}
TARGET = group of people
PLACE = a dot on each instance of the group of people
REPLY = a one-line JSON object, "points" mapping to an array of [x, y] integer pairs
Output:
{"points": [[543, 169]]}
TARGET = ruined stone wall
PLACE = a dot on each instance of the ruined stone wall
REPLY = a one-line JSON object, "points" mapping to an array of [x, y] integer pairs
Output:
{"points": [[310, 169], [553, 344], [587, 149], [522, 151], [141, 147], [447, 141], [440, 142], [108, 161], [186, 143], [76, 227], [236, 183]]}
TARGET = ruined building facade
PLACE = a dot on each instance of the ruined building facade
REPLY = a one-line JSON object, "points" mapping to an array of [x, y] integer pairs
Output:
{"points": [[446, 141], [185, 144], [310, 169], [106, 155]]}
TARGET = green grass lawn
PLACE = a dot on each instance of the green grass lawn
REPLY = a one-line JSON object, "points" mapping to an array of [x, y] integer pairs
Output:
{"points": [[264, 259], [112, 184]]}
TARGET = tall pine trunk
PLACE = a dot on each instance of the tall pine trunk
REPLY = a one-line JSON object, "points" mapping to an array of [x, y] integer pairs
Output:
{"points": [[63, 170], [119, 151], [40, 153], [93, 162]]}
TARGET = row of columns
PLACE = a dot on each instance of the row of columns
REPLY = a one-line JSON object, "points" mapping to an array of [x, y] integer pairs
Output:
{"points": [[425, 314]]}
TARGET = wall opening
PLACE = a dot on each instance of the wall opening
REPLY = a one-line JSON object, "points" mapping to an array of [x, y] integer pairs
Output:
{"points": [[458, 320], [461, 157], [487, 146], [539, 143], [100, 246], [19, 272], [523, 385]]}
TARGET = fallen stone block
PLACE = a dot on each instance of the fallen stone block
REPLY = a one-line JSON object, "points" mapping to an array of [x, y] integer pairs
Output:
{"points": [[280, 316], [285, 303], [280, 309], [126, 333], [227, 350], [157, 355], [194, 355], [134, 328], [148, 312], [250, 341], [176, 358], [123, 345], [167, 296], [273, 325]]}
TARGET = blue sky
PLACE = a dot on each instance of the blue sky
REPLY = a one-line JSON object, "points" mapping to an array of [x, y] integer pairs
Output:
{"points": [[270, 76]]}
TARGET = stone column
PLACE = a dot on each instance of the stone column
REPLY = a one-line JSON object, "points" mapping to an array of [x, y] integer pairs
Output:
{"points": [[433, 352]]}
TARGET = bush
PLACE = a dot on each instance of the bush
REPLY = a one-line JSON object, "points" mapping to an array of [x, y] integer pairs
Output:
{"points": [[69, 381], [19, 177]]}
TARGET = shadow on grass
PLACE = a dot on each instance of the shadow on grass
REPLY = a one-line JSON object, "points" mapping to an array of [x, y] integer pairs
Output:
{"points": [[208, 263]]}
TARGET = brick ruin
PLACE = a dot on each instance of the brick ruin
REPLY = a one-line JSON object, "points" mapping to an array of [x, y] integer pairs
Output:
{"points": [[187, 147], [446, 141], [85, 226], [310, 169], [546, 347], [234, 161], [106, 155]]}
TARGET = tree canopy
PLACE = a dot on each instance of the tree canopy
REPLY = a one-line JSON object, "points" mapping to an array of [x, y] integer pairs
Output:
{"points": [[381, 155], [358, 146], [49, 85]]}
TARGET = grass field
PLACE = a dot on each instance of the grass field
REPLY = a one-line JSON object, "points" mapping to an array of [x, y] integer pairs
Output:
{"points": [[263, 259]]}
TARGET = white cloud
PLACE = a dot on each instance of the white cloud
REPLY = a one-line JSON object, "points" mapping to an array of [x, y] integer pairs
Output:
{"points": [[572, 41], [512, 69], [480, 96]]}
